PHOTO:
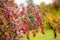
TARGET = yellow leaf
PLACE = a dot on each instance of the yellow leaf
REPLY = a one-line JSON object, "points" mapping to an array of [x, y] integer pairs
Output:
{"points": [[5, 21], [1, 13]]}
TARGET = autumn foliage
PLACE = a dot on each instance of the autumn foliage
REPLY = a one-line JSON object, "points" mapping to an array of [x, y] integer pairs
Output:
{"points": [[15, 23]]}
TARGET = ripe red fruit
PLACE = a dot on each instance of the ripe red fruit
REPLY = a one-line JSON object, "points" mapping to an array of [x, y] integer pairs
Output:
{"points": [[6, 37]]}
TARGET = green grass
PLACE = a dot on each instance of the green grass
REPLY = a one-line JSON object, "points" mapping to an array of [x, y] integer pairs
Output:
{"points": [[49, 35]]}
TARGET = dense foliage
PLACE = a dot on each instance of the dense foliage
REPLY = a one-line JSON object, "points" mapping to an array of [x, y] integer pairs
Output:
{"points": [[51, 17], [15, 23]]}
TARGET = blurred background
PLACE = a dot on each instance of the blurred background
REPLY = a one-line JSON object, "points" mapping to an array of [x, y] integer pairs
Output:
{"points": [[49, 13]]}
